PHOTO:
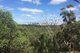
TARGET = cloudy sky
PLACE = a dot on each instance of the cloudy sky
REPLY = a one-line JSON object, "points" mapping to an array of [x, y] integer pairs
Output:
{"points": [[27, 11]]}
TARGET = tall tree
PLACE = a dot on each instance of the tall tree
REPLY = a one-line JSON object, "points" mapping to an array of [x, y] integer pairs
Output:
{"points": [[64, 15], [67, 14]]}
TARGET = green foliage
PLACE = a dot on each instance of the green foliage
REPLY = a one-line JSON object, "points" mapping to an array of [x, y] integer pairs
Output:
{"points": [[7, 30], [68, 15], [68, 38], [15, 38]]}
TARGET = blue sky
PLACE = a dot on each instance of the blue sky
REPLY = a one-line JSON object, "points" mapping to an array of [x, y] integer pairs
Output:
{"points": [[30, 11]]}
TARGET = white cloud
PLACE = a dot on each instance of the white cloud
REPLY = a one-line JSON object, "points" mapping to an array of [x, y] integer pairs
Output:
{"points": [[31, 10], [72, 9], [6, 8], [57, 1], [10, 9], [27, 0], [79, 6], [1, 6], [26, 15], [78, 15], [37, 2], [75, 8]]}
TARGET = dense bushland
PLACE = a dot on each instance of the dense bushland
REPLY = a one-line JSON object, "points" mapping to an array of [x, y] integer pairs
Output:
{"points": [[15, 38]]}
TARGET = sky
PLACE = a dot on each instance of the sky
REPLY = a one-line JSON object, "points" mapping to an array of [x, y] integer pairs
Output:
{"points": [[38, 11]]}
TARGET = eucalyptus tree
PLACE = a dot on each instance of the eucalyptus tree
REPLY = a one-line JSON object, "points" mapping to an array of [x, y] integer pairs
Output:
{"points": [[68, 15]]}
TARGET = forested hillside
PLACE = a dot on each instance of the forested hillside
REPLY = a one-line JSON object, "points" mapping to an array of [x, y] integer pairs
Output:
{"points": [[16, 38]]}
